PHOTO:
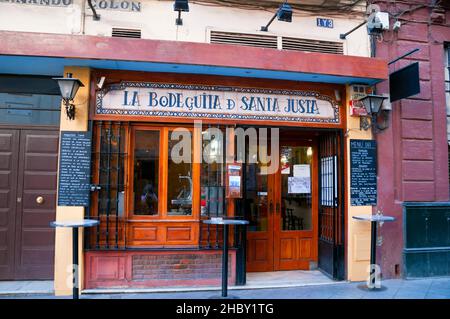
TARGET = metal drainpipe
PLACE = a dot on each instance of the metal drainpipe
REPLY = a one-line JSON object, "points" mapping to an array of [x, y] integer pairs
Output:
{"points": [[83, 16], [373, 46], [373, 53]]}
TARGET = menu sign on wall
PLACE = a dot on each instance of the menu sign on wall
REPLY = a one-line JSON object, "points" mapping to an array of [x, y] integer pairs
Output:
{"points": [[363, 171], [216, 102], [74, 169]]}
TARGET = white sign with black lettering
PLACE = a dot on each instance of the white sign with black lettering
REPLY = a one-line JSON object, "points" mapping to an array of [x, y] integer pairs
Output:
{"points": [[175, 100]]}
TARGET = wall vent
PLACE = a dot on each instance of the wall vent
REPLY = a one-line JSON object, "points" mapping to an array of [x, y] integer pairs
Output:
{"points": [[253, 40], [126, 33], [308, 45], [277, 42]]}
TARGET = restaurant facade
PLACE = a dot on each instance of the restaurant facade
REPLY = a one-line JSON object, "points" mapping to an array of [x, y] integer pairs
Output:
{"points": [[181, 132]]}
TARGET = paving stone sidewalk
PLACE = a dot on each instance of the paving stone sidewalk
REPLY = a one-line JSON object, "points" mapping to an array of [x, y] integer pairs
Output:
{"points": [[438, 288]]}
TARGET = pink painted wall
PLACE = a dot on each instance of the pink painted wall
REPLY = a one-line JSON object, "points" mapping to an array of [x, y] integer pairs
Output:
{"points": [[413, 158]]}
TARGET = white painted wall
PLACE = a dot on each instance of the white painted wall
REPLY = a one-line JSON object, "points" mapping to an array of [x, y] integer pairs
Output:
{"points": [[157, 21], [36, 18]]}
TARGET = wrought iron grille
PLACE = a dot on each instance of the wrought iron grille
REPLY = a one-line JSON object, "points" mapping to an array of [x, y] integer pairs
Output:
{"points": [[331, 204], [109, 161], [328, 188], [108, 186]]}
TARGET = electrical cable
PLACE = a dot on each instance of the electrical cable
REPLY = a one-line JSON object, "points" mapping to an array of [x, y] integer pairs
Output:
{"points": [[404, 16], [334, 9]]}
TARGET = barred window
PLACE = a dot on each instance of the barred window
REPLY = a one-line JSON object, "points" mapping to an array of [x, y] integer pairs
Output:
{"points": [[329, 180]]}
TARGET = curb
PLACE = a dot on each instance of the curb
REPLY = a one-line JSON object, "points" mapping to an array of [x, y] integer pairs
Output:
{"points": [[198, 289]]}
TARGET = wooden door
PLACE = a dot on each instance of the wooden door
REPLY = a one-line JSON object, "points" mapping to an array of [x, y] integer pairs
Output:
{"points": [[9, 152], [296, 202], [282, 234], [259, 209], [32, 165]]}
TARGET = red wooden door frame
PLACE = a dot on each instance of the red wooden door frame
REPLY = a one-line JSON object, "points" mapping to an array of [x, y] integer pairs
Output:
{"points": [[8, 184], [303, 244]]}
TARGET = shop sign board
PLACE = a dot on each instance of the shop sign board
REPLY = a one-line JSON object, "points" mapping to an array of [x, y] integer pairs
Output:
{"points": [[405, 82], [46, 3], [112, 5], [74, 169], [216, 102], [363, 171]]}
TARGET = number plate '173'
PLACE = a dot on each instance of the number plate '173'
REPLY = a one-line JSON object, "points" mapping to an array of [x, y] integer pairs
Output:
{"points": [[325, 23]]}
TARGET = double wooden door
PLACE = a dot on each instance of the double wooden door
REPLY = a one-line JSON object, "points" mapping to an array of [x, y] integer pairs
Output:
{"points": [[283, 210], [28, 173]]}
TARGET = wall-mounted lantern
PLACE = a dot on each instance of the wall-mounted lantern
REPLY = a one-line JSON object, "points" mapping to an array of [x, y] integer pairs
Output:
{"points": [[180, 6], [69, 87], [284, 13], [373, 105]]}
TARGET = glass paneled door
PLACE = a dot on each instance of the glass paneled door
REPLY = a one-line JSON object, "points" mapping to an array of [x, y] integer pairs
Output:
{"points": [[259, 209], [282, 209], [295, 224]]}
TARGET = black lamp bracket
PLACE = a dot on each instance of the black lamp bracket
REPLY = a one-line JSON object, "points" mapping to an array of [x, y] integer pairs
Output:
{"points": [[371, 121], [266, 27], [70, 109], [179, 21], [364, 123], [96, 16], [342, 36]]}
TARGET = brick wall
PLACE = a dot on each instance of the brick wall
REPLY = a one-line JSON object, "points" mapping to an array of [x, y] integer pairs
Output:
{"points": [[183, 266], [147, 269], [413, 158]]}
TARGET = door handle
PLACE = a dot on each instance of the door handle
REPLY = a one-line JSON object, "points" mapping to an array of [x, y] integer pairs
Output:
{"points": [[278, 208], [40, 200], [271, 207]]}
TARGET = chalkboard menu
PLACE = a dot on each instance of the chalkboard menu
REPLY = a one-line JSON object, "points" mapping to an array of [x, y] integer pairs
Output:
{"points": [[363, 171], [74, 169]]}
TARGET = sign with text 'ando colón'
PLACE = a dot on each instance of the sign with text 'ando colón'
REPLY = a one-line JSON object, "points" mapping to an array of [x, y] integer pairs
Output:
{"points": [[113, 5], [216, 102]]}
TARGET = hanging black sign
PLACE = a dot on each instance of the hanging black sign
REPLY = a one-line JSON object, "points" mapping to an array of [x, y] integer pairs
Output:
{"points": [[404, 82], [363, 172], [74, 169]]}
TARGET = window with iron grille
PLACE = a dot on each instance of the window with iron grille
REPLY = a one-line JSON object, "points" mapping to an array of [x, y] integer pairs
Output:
{"points": [[108, 171], [125, 160], [328, 177], [331, 204]]}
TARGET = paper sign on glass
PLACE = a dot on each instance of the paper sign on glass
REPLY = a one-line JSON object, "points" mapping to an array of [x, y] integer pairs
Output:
{"points": [[302, 170], [233, 189], [299, 185], [235, 182]]}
